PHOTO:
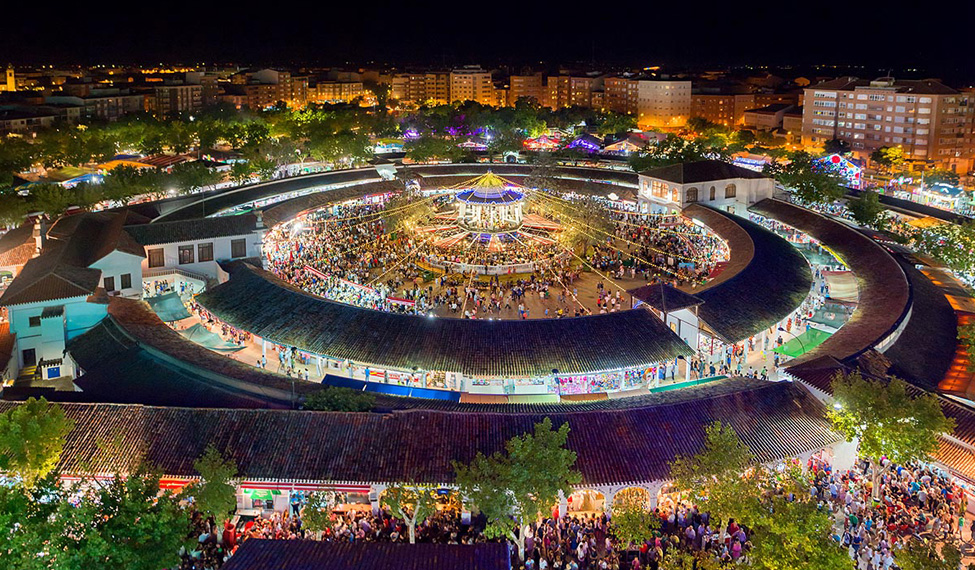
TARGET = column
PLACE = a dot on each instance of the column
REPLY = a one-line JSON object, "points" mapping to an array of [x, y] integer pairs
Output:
{"points": [[263, 347], [563, 504]]}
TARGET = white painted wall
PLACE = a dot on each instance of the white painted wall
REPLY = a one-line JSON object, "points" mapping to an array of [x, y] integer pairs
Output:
{"points": [[221, 252]]}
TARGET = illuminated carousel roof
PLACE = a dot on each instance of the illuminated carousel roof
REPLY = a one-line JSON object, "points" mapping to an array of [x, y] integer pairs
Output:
{"points": [[489, 188]]}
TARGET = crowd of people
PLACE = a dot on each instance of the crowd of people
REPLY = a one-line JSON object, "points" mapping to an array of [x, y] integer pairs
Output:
{"points": [[345, 253], [916, 501]]}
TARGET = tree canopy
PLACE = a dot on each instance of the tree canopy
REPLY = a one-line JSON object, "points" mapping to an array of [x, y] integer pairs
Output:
{"points": [[338, 399], [32, 436]]}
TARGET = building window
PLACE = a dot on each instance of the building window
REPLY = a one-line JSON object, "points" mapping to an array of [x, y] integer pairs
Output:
{"points": [[157, 258], [238, 248], [126, 281], [34, 321], [109, 283], [205, 252], [185, 254], [711, 198], [730, 191], [30, 357], [692, 195]]}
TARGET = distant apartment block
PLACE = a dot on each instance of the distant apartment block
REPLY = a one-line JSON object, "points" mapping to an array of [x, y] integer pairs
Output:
{"points": [[929, 120], [662, 104]]}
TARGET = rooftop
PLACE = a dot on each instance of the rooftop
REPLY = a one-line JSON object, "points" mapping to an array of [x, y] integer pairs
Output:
{"points": [[263, 554], [776, 420], [156, 233], [257, 301], [700, 171]]}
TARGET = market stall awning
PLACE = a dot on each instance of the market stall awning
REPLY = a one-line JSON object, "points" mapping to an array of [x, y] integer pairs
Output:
{"points": [[831, 315], [201, 336], [842, 286], [803, 343], [168, 307]]}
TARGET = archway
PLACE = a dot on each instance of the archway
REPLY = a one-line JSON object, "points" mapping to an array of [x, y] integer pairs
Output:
{"points": [[629, 495], [586, 501], [668, 497], [691, 195]]}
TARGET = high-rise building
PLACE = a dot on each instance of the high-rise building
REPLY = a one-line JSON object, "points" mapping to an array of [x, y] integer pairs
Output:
{"points": [[430, 87], [662, 103], [265, 88], [930, 121], [337, 91], [472, 84]]}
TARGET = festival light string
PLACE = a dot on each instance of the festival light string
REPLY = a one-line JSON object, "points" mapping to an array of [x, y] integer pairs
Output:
{"points": [[614, 236], [555, 273]]}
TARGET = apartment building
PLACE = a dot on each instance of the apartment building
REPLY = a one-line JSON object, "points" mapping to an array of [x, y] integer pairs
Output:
{"points": [[100, 103], [726, 109], [620, 95], [526, 86], [557, 91], [178, 98], [432, 87], [265, 88], [337, 91], [472, 84], [663, 103], [929, 120]]}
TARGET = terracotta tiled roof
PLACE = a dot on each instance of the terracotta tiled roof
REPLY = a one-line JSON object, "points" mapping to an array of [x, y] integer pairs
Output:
{"points": [[775, 420], [884, 293], [264, 554], [18, 245], [264, 305], [771, 284], [701, 171], [156, 233]]}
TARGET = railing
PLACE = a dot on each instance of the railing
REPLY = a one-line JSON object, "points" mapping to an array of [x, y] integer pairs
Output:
{"points": [[167, 271]]}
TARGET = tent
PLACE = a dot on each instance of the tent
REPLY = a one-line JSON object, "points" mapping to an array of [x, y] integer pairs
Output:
{"points": [[842, 286], [168, 307], [803, 343], [201, 336], [831, 315]]}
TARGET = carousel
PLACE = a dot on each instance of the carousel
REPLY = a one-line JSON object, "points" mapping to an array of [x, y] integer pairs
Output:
{"points": [[490, 204]]}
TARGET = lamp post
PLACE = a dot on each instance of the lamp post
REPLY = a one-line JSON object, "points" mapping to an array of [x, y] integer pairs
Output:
{"points": [[801, 345]]}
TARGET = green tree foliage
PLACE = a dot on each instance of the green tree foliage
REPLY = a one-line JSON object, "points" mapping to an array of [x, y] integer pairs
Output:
{"points": [[412, 504], [338, 399], [714, 477], [187, 177], [795, 535], [917, 554], [867, 210], [240, 172], [888, 157], [836, 146], [316, 516], [514, 489], [942, 176], [677, 150], [427, 148], [613, 123], [886, 420], [32, 436], [27, 520], [51, 199], [951, 244], [807, 182], [633, 522], [966, 337], [124, 523], [214, 494]]}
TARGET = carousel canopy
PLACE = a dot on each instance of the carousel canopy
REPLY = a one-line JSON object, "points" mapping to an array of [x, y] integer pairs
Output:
{"points": [[489, 188]]}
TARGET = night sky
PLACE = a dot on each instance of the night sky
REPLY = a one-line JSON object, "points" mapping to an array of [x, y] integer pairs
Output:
{"points": [[682, 33]]}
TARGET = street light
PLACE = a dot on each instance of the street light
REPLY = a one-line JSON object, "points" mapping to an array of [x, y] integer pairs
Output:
{"points": [[801, 345]]}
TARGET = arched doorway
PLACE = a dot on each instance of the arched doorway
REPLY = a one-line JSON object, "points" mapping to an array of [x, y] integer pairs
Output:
{"points": [[633, 495], [668, 498], [691, 195], [586, 502]]}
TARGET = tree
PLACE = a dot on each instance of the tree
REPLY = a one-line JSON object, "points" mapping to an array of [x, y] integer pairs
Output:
{"points": [[214, 495], [240, 172], [867, 210], [888, 157], [715, 477], [32, 437], [51, 199], [795, 535], [123, 523], [806, 181], [428, 148], [836, 146], [941, 176], [190, 176], [633, 523], [514, 489], [28, 523], [338, 399], [886, 420], [411, 503], [316, 515], [917, 554], [951, 244]]}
